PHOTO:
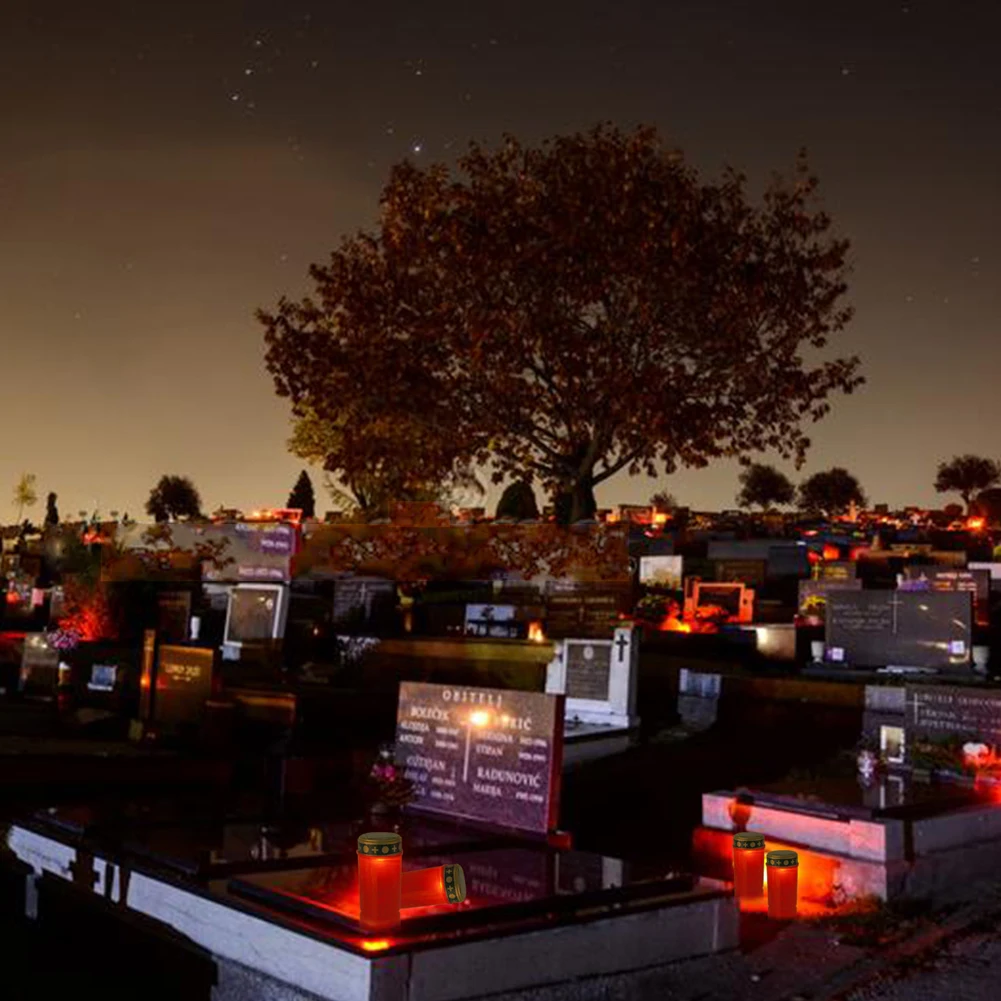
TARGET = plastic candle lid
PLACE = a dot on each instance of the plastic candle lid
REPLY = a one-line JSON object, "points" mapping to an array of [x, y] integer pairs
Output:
{"points": [[782, 858], [455, 883], [380, 843], [746, 840]]}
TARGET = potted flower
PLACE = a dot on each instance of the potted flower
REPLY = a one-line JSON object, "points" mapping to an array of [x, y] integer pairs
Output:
{"points": [[388, 789], [813, 610]]}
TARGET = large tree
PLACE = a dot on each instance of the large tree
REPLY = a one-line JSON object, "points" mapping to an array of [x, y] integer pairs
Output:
{"points": [[764, 486], [173, 498], [967, 475], [831, 493], [302, 498], [570, 311]]}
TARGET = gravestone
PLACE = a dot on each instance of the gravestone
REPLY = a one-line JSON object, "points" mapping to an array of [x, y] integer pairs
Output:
{"points": [[255, 614], [698, 698], [900, 629], [39, 666], [598, 678], [662, 571], [950, 711], [183, 686], [782, 558], [103, 677], [363, 601], [750, 572], [497, 621], [836, 570], [936, 578], [993, 570], [823, 587], [173, 616], [736, 599], [484, 756], [582, 610]]}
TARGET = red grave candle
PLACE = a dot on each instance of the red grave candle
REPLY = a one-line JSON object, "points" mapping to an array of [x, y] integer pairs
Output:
{"points": [[380, 868], [748, 865], [783, 884], [441, 884]]}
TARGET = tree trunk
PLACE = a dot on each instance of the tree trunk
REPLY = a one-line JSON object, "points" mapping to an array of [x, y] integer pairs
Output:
{"points": [[576, 504]]}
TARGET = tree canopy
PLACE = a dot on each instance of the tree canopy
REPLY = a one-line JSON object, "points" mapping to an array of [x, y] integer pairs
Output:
{"points": [[302, 498], [831, 492], [566, 312], [173, 498], [764, 486], [967, 475]]}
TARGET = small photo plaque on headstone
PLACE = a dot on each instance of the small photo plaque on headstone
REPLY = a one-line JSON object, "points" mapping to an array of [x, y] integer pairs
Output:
{"points": [[488, 756], [103, 677], [589, 667]]}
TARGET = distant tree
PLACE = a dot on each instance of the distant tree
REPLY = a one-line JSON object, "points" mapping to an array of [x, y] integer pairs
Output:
{"points": [[24, 494], [988, 505], [51, 511], [764, 486], [831, 492], [952, 512], [302, 497], [173, 498], [518, 501], [967, 475], [663, 501], [569, 311]]}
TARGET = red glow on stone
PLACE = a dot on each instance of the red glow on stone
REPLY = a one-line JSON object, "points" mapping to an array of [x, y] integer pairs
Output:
{"points": [[818, 873]]}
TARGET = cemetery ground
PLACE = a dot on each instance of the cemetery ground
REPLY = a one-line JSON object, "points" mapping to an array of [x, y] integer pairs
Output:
{"points": [[904, 950]]}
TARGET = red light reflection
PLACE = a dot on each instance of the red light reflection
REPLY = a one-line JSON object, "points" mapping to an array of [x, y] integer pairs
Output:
{"points": [[712, 852]]}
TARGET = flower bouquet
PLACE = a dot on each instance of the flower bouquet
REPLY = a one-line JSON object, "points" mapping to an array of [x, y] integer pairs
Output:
{"points": [[389, 790], [63, 640]]}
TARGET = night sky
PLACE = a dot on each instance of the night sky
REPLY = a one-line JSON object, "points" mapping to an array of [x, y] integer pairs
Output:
{"points": [[166, 168]]}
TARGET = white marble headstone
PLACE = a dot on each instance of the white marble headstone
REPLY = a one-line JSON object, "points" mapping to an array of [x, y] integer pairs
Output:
{"points": [[615, 705]]}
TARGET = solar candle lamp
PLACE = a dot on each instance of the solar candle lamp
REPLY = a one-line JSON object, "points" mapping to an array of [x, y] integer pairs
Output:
{"points": [[441, 884], [748, 865], [380, 868], [783, 884]]}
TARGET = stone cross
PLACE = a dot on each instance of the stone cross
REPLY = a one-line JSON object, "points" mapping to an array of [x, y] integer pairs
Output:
{"points": [[895, 603], [622, 645]]}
